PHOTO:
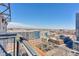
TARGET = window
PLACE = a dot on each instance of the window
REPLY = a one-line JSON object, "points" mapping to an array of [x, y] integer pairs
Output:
{"points": [[46, 34], [3, 20], [37, 34]]}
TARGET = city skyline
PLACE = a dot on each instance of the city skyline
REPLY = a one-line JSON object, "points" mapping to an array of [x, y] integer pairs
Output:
{"points": [[59, 16], [39, 29]]}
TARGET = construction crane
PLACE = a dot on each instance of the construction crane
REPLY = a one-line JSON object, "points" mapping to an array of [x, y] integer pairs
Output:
{"points": [[5, 16], [6, 10]]}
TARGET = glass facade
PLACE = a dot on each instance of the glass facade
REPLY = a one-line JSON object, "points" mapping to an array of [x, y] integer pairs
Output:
{"points": [[46, 34], [76, 44], [77, 26], [36, 34]]}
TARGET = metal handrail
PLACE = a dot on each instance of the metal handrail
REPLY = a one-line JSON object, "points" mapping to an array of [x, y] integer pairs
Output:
{"points": [[7, 54], [29, 48]]}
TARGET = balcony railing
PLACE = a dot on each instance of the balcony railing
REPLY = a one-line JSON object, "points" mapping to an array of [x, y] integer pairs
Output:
{"points": [[7, 44], [11, 46]]}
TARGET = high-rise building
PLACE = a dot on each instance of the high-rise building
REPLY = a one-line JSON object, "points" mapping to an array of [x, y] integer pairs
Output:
{"points": [[76, 43], [77, 26]]}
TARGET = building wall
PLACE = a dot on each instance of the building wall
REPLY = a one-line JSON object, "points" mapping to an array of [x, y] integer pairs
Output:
{"points": [[3, 24], [31, 34], [44, 34], [76, 45]]}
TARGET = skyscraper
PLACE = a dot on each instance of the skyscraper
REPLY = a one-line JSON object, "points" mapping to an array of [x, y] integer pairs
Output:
{"points": [[76, 43], [77, 26]]}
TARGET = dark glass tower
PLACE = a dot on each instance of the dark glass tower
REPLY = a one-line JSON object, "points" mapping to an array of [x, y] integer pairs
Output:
{"points": [[77, 26], [76, 43]]}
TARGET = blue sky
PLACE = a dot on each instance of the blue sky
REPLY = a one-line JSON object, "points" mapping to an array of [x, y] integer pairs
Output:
{"points": [[45, 15]]}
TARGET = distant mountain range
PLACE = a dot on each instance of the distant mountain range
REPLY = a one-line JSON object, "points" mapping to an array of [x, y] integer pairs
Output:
{"points": [[24, 26], [20, 25]]}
